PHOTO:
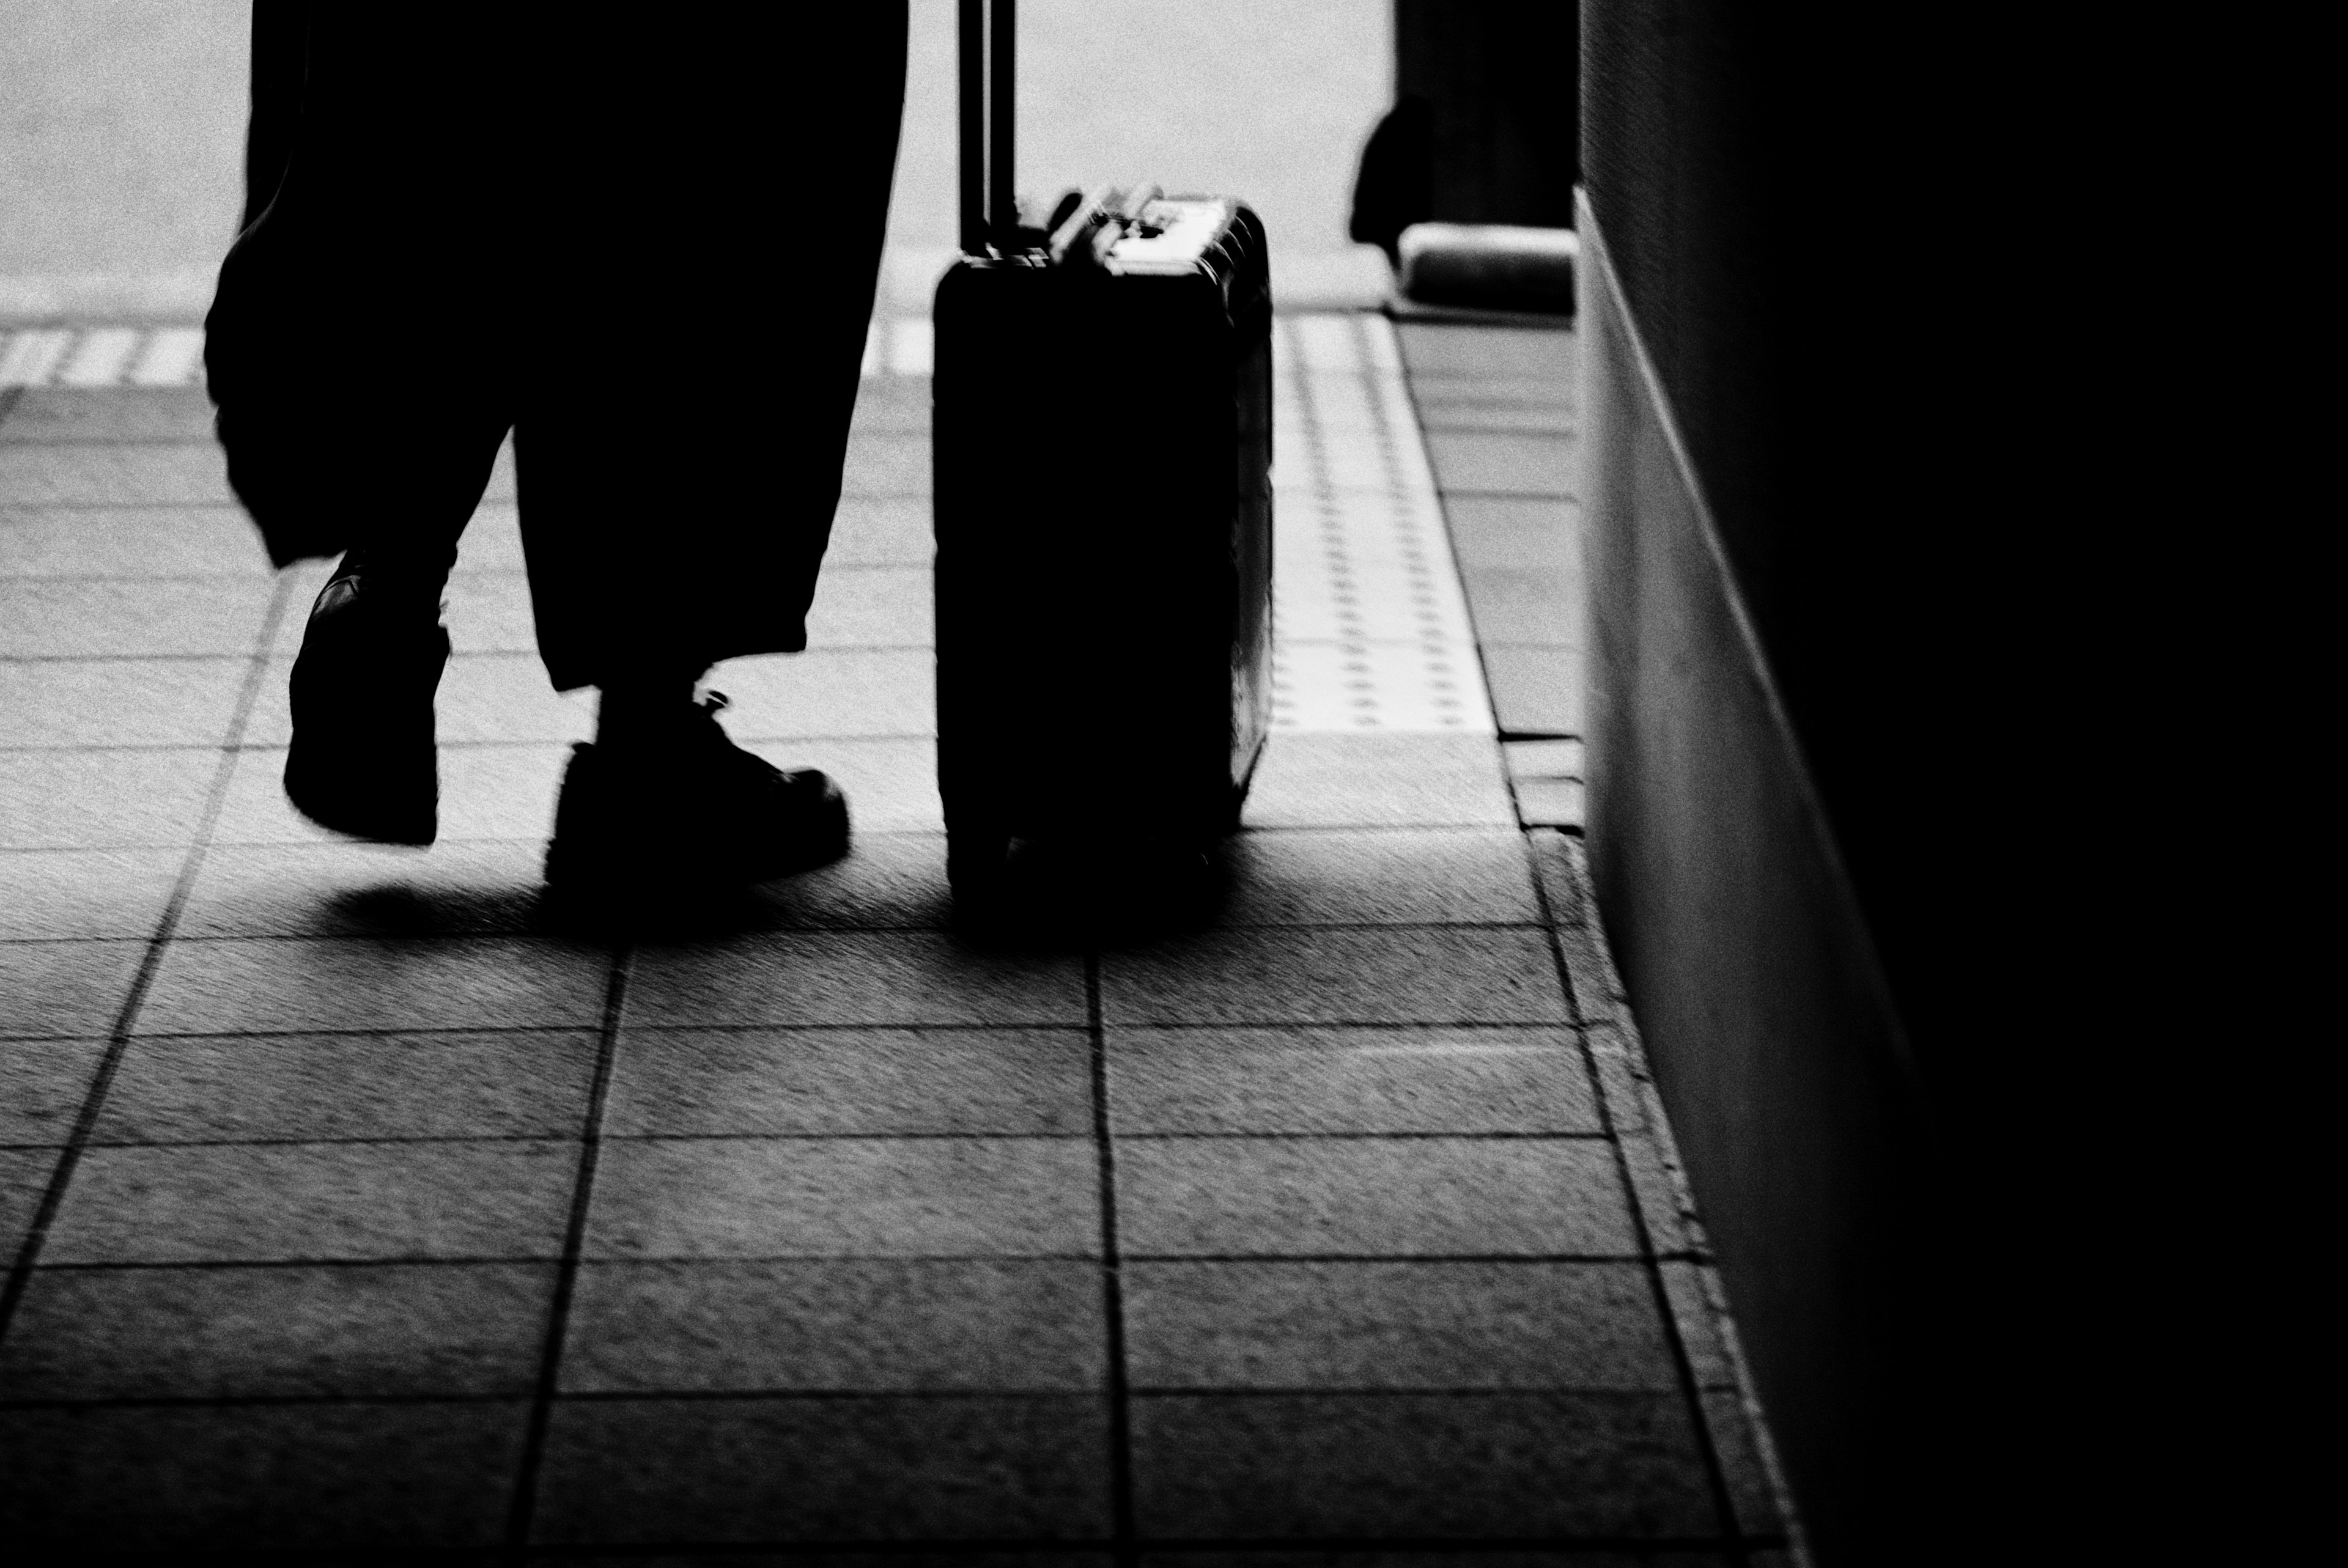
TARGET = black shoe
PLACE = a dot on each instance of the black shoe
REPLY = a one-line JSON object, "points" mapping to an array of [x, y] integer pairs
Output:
{"points": [[362, 760], [694, 814]]}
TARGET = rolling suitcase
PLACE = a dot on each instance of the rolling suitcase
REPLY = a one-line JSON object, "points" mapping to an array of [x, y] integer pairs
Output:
{"points": [[1102, 451]]}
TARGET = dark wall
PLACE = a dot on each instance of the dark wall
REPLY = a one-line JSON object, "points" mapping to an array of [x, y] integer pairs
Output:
{"points": [[1500, 78], [1795, 240], [1803, 545], [1750, 965]]}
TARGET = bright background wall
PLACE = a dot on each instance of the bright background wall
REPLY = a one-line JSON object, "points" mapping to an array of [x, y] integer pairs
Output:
{"points": [[121, 128]]}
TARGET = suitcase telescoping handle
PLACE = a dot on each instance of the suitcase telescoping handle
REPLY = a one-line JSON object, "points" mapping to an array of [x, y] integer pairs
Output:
{"points": [[989, 35]]}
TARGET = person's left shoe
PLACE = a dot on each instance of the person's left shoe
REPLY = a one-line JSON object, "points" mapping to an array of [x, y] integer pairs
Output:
{"points": [[362, 761], [692, 814]]}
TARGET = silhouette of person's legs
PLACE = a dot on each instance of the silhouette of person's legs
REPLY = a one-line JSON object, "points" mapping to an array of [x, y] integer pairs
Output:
{"points": [[362, 377], [649, 248], [715, 237]]}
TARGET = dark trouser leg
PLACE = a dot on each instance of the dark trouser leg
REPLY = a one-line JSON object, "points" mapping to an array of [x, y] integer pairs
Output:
{"points": [[684, 411], [392, 483], [361, 353], [361, 343], [683, 425]]}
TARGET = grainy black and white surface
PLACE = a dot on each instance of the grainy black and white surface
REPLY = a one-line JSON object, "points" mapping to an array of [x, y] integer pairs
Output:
{"points": [[352, 1211], [348, 1206]]}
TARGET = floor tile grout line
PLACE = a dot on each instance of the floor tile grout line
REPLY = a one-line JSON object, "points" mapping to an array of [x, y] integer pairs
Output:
{"points": [[1690, 1387], [225, 505], [462, 747], [1282, 1548], [261, 581], [1279, 1548], [1468, 494], [561, 744], [192, 440], [567, 1266], [71, 440], [523, 1504], [44, 1213], [1120, 1429], [780, 1393], [943, 927], [517, 933], [932, 1135], [1088, 1260], [461, 576], [1428, 1258], [374, 1031], [1060, 1026], [204, 656]]}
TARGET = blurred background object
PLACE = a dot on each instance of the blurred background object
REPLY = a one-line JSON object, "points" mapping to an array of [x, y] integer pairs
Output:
{"points": [[1487, 266], [1266, 99], [121, 154], [1485, 123], [124, 124]]}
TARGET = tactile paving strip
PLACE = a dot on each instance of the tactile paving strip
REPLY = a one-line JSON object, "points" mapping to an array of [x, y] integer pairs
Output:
{"points": [[1371, 628], [102, 356]]}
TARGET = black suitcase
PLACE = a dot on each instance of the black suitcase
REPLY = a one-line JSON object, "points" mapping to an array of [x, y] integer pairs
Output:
{"points": [[1102, 451]]}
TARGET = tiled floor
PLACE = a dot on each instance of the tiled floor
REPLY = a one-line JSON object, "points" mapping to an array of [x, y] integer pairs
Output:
{"points": [[356, 1215]]}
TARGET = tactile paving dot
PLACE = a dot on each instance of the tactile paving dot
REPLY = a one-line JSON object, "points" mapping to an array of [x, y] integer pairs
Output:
{"points": [[1370, 627]]}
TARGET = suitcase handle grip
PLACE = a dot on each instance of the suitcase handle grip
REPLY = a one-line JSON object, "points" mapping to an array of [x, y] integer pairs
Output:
{"points": [[987, 85], [1096, 223]]}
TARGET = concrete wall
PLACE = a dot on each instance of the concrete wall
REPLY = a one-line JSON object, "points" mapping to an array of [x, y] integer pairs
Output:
{"points": [[1796, 567], [1749, 961]]}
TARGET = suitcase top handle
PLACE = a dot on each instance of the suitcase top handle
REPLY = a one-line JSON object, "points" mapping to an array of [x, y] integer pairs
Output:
{"points": [[1082, 230], [1082, 226], [987, 89]]}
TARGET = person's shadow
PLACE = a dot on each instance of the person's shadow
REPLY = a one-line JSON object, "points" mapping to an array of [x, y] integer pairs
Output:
{"points": [[404, 910], [1045, 898]]}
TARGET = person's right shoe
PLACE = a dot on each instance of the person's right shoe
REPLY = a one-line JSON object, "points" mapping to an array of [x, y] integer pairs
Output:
{"points": [[362, 761], [692, 815]]}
